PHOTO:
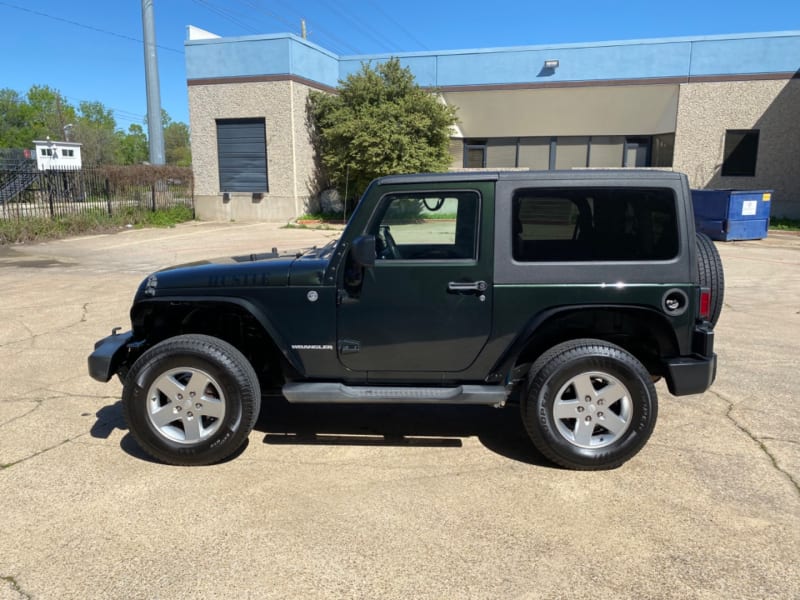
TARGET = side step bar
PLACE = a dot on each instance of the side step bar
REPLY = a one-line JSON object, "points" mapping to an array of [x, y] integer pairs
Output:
{"points": [[338, 393]]}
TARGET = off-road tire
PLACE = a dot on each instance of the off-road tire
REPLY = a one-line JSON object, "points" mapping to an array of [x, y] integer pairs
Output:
{"points": [[230, 387], [550, 385]]}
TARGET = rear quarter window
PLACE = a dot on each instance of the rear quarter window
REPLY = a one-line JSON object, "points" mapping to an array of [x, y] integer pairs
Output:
{"points": [[594, 224]]}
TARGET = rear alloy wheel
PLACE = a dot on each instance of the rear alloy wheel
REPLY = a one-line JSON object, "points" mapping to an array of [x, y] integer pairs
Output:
{"points": [[191, 400], [589, 405]]}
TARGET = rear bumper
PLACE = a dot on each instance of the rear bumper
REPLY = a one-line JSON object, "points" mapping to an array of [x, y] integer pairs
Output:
{"points": [[693, 374], [107, 356]]}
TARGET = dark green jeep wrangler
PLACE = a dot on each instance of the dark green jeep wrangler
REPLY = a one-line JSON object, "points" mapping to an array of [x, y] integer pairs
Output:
{"points": [[573, 291]]}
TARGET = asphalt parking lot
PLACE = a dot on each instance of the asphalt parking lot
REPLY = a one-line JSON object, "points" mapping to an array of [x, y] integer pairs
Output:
{"points": [[384, 502]]}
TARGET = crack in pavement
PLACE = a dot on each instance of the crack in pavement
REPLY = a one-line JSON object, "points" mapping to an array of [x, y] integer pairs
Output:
{"points": [[760, 441], [15, 587], [783, 440], [4, 466], [25, 414], [34, 336], [58, 395], [62, 394]]}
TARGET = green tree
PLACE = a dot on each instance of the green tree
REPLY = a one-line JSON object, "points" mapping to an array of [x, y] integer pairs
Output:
{"points": [[176, 144], [95, 129], [43, 112], [381, 122], [131, 147], [49, 112], [15, 120]]}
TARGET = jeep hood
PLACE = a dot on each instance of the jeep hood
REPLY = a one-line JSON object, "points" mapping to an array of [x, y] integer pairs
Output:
{"points": [[253, 270]]}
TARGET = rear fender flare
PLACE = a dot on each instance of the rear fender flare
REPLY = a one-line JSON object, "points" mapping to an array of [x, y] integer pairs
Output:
{"points": [[507, 361]]}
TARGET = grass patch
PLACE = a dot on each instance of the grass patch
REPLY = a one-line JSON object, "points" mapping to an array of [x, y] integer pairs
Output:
{"points": [[305, 226], [437, 216], [336, 218], [321, 217], [93, 221], [784, 224]]}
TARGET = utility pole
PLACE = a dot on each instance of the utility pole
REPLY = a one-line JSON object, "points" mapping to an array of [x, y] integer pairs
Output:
{"points": [[155, 129], [303, 32]]}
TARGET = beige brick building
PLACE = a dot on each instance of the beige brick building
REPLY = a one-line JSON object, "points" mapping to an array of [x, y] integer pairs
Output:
{"points": [[723, 109]]}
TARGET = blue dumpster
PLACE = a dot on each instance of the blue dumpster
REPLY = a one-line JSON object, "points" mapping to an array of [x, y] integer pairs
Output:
{"points": [[727, 215]]}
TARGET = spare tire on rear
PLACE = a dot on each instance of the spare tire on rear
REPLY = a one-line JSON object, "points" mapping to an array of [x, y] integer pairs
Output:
{"points": [[709, 268]]}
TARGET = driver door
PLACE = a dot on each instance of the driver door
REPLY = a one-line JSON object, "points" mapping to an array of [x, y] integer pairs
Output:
{"points": [[426, 305]]}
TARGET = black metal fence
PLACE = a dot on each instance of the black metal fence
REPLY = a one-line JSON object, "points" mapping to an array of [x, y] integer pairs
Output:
{"points": [[26, 192]]}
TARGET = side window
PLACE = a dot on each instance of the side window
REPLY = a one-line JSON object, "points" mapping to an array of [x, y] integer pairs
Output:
{"points": [[428, 226], [594, 225], [741, 152]]}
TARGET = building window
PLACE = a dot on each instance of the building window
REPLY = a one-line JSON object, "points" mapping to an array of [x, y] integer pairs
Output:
{"points": [[242, 155], [501, 152], [534, 153], [663, 150], [67, 152], [475, 154], [606, 151], [637, 152], [572, 152], [741, 151]]}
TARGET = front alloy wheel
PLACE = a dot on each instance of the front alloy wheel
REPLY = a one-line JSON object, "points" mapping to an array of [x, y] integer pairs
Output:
{"points": [[191, 400], [186, 405]]}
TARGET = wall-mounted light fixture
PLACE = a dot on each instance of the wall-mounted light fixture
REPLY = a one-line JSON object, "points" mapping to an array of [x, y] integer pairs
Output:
{"points": [[551, 64]]}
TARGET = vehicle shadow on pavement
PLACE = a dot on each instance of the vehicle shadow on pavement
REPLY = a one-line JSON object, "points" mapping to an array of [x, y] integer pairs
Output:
{"points": [[110, 418], [499, 430]]}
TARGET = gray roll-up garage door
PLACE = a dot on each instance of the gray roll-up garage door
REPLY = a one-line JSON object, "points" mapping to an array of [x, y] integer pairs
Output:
{"points": [[242, 154]]}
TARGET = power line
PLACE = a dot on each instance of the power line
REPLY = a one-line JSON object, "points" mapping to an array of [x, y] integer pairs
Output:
{"points": [[398, 25], [84, 26], [275, 16], [226, 14], [118, 113], [366, 32], [336, 44]]}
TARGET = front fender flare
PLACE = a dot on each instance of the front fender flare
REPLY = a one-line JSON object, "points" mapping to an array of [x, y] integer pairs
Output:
{"points": [[251, 308]]}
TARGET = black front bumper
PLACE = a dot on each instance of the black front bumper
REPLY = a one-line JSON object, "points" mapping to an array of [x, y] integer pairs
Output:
{"points": [[693, 374], [108, 354]]}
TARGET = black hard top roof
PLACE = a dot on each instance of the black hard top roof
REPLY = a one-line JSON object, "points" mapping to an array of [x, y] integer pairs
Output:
{"points": [[524, 174]]}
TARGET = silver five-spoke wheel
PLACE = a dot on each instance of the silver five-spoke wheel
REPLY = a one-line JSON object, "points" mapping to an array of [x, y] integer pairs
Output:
{"points": [[592, 410], [186, 405], [191, 400], [589, 404]]}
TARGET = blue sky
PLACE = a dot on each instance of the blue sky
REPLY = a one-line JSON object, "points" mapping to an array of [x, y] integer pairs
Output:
{"points": [[84, 48]]}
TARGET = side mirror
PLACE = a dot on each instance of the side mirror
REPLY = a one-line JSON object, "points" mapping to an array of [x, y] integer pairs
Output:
{"points": [[363, 251]]}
